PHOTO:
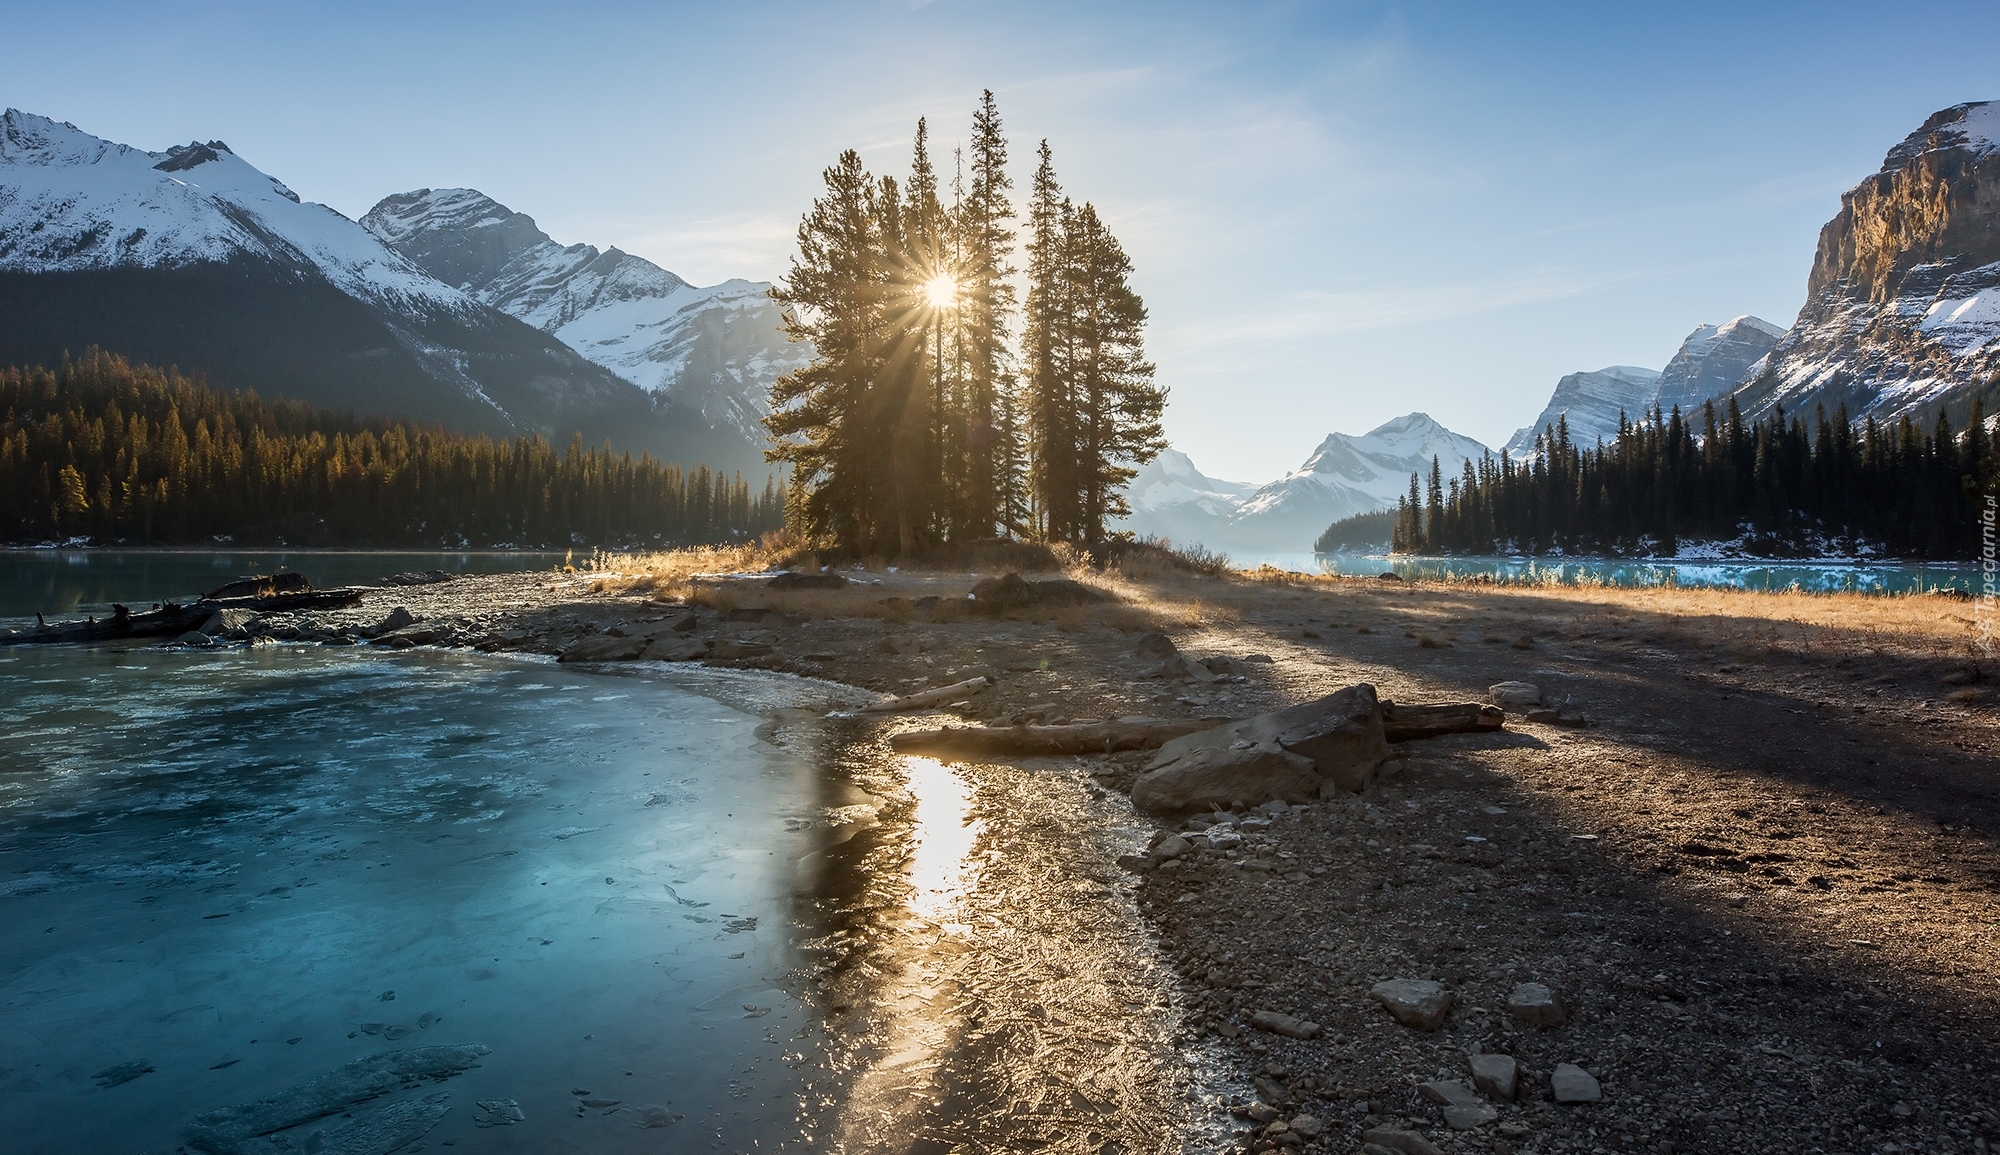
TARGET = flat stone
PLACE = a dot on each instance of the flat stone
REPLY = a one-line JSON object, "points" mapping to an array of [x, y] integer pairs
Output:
{"points": [[1514, 695], [1469, 1118], [1279, 1023], [1328, 746], [1498, 1076], [1418, 1003], [1534, 1005], [675, 649], [1397, 1139], [1450, 1093], [1308, 1126], [1171, 847], [1573, 1084], [602, 648]]}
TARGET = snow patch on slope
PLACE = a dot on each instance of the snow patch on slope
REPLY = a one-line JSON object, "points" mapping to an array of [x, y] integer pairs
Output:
{"points": [[70, 201]]}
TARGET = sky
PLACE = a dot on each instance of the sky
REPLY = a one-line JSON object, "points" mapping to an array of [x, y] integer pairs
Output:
{"points": [[1338, 213]]}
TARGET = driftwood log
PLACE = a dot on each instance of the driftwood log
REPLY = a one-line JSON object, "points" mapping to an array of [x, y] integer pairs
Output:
{"points": [[1407, 723], [927, 698], [172, 620], [1073, 738]]}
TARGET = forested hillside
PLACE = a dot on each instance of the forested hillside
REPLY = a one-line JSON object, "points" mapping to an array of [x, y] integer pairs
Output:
{"points": [[1780, 486], [103, 449]]}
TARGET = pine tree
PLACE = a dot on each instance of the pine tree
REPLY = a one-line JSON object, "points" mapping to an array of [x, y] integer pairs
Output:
{"points": [[987, 243]]}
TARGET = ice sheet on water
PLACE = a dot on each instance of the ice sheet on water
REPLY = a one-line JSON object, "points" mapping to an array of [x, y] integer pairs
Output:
{"points": [[222, 1132]]}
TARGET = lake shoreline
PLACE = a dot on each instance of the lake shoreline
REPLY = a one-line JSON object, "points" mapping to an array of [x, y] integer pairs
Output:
{"points": [[1797, 696]]}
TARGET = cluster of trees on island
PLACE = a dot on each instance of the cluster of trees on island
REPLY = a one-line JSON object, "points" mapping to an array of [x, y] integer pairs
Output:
{"points": [[102, 449], [1781, 485], [921, 421]]}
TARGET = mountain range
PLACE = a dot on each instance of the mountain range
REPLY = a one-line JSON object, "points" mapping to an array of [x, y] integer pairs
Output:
{"points": [[1347, 474], [193, 257]]}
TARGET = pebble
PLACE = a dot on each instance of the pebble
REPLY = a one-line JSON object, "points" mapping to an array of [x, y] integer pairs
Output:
{"points": [[1534, 1005], [1573, 1084], [1279, 1023], [1419, 1003]]}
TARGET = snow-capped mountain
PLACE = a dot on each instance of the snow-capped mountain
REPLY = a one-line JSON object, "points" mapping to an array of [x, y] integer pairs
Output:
{"points": [[1346, 475], [1902, 313], [193, 257], [714, 350], [1713, 361], [1591, 402], [1172, 499]]}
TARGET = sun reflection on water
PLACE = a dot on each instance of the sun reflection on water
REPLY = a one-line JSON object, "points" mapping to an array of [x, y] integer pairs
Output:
{"points": [[943, 835]]}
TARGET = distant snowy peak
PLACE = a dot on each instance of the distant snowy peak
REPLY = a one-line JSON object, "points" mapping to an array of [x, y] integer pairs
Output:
{"points": [[1712, 361], [717, 349], [71, 202], [1589, 403], [1346, 475], [1171, 481]]}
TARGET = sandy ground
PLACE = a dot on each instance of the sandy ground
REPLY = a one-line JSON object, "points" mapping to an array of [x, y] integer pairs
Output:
{"points": [[1761, 876]]}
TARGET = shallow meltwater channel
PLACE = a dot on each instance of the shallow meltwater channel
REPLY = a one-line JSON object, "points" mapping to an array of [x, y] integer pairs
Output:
{"points": [[343, 901], [224, 876]]}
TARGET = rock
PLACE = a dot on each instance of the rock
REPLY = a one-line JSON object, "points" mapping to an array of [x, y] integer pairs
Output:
{"points": [[746, 614], [603, 648], [1469, 1118], [1011, 591], [1221, 665], [1376, 1149], [1516, 1130], [1318, 748], [1170, 847], [728, 649], [1534, 1005], [398, 618], [1008, 591], [404, 639], [1279, 1023], [1418, 1003], [1397, 1139], [1450, 1093], [1156, 647], [194, 638], [1498, 1076], [1307, 1126], [223, 621], [1514, 695], [1179, 669], [1573, 1084], [675, 650], [1270, 1089], [1064, 592], [1262, 1113], [807, 581]]}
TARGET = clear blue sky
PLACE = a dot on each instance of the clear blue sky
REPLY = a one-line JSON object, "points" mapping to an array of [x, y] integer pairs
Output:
{"points": [[1339, 212]]}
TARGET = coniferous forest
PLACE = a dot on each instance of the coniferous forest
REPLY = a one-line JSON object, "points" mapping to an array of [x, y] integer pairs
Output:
{"points": [[1782, 487], [103, 449], [921, 421]]}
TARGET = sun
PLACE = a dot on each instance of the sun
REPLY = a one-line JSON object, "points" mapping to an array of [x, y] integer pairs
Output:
{"points": [[941, 291]]}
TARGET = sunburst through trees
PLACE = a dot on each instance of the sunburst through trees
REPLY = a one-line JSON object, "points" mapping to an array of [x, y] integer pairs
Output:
{"points": [[920, 419]]}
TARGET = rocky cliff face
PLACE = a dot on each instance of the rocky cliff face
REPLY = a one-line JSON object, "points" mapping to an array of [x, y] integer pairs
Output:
{"points": [[1902, 314]]}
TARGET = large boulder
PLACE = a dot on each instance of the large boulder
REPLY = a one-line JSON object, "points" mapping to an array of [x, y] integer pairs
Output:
{"points": [[1316, 749]]}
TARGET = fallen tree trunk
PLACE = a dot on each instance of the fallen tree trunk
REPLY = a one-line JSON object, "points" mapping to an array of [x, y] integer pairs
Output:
{"points": [[1074, 738], [1407, 723], [925, 698], [172, 620]]}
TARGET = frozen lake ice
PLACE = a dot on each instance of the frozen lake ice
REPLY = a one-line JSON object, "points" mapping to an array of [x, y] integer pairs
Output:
{"points": [[224, 874]]}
